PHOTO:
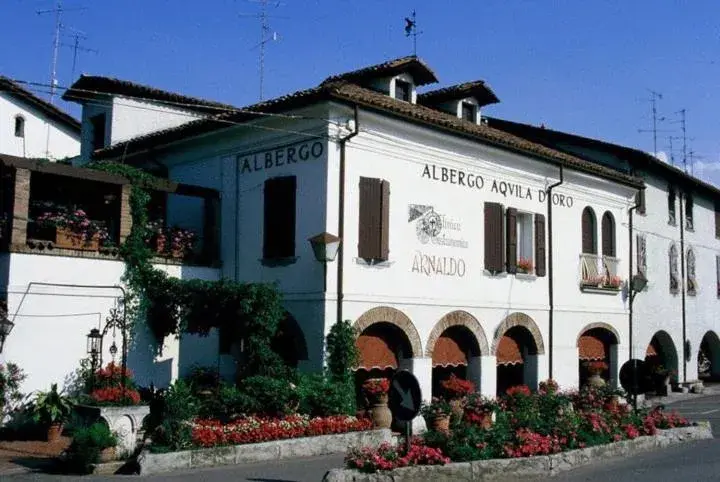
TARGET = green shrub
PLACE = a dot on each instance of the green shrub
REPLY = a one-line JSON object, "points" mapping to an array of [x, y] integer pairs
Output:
{"points": [[321, 397], [227, 404], [342, 350], [269, 396], [179, 407], [86, 446]]}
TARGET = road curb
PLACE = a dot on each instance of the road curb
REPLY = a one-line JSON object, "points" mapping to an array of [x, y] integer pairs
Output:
{"points": [[545, 465]]}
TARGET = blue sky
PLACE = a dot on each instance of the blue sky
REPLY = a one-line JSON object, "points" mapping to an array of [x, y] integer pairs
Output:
{"points": [[578, 66]]}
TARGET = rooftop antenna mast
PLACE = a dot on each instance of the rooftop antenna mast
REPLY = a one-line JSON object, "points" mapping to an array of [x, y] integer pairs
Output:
{"points": [[58, 11], [654, 97], [77, 36], [411, 30], [672, 151], [683, 128], [266, 35]]}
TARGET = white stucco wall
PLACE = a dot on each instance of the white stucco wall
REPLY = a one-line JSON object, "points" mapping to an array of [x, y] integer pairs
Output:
{"points": [[51, 322], [44, 137], [133, 118]]}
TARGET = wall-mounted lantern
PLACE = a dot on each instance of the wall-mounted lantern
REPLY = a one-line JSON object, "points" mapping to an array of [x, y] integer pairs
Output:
{"points": [[325, 246], [6, 327], [638, 282]]}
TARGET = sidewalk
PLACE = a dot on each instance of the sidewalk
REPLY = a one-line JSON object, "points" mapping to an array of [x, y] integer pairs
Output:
{"points": [[674, 397]]}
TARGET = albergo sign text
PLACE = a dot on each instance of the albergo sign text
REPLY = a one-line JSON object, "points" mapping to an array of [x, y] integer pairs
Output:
{"points": [[476, 181]]}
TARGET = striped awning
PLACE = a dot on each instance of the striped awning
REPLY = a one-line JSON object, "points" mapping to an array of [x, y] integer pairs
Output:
{"points": [[508, 351], [375, 352], [592, 348], [447, 352], [651, 351]]}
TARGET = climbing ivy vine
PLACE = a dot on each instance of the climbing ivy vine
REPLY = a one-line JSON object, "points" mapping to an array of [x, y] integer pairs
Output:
{"points": [[172, 306]]}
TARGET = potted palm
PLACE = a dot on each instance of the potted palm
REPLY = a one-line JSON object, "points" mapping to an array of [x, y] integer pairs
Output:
{"points": [[51, 409]]}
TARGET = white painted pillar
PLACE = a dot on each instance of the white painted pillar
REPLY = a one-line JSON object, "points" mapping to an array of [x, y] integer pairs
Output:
{"points": [[488, 376], [565, 366], [422, 369], [474, 371]]}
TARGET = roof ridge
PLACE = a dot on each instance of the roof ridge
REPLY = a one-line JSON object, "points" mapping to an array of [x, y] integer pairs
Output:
{"points": [[9, 85]]}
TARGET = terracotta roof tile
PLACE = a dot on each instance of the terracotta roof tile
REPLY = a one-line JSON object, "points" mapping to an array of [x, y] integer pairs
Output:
{"points": [[478, 89], [421, 73]]}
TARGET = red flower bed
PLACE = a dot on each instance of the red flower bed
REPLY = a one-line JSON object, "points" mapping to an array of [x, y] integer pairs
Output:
{"points": [[457, 387], [116, 396], [389, 457], [211, 433]]}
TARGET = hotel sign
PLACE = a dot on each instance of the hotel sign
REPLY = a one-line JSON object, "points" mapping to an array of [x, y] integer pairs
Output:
{"points": [[282, 156]]}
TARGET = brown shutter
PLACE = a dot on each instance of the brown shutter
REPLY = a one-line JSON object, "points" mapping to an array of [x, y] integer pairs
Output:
{"points": [[370, 229], [540, 245], [494, 237], [608, 235], [640, 201], [588, 231], [385, 221], [279, 222], [511, 239]]}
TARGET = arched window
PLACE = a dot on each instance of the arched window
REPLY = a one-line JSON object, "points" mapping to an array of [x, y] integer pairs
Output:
{"points": [[608, 234], [691, 282], [589, 235], [19, 126], [674, 277]]}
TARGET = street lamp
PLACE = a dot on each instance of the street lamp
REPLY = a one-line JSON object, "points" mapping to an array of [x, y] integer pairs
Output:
{"points": [[6, 327], [325, 246], [94, 344], [638, 282]]}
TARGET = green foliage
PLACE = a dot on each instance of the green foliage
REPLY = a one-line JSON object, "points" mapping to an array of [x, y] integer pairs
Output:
{"points": [[86, 446], [51, 407], [321, 396], [342, 352], [77, 384], [11, 376], [179, 408], [226, 404], [270, 396]]}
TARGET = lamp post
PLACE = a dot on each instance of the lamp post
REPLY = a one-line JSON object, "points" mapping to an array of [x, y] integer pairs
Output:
{"points": [[6, 327], [325, 247], [94, 349]]}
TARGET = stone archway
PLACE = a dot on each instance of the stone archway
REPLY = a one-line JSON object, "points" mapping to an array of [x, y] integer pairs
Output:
{"points": [[597, 353], [517, 344], [709, 357], [661, 358], [454, 347], [289, 341], [387, 314]]}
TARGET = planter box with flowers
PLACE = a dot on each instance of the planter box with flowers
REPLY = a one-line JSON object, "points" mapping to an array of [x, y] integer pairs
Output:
{"points": [[73, 228], [376, 391], [525, 266], [114, 399], [173, 242], [602, 284]]}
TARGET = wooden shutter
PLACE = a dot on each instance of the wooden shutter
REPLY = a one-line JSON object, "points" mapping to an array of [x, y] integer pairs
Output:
{"points": [[588, 231], [374, 219], [279, 225], [494, 242], [608, 235], [640, 201], [540, 244], [511, 239]]}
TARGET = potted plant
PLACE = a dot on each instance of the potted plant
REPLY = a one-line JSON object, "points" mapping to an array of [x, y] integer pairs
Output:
{"points": [[156, 236], [51, 409], [182, 241], [437, 414], [456, 389], [595, 368], [613, 282], [73, 228], [525, 265], [376, 389], [479, 410], [90, 445]]}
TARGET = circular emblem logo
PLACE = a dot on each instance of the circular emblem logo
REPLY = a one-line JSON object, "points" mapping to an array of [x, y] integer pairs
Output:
{"points": [[429, 226]]}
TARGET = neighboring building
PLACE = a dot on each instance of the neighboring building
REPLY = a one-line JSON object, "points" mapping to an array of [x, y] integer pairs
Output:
{"points": [[33, 128], [676, 241], [455, 236]]}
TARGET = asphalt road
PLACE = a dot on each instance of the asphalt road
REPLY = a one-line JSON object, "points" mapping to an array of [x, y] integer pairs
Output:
{"points": [[698, 461]]}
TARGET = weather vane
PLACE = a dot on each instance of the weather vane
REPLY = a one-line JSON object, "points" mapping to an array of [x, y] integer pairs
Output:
{"points": [[411, 29]]}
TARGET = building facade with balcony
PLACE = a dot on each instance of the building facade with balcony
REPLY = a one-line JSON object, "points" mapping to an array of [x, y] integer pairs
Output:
{"points": [[676, 248], [462, 246], [32, 127]]}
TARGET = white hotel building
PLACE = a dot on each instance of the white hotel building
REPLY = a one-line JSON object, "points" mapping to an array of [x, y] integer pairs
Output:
{"points": [[464, 248]]}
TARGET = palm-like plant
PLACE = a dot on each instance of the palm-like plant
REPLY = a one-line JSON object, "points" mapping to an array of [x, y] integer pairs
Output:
{"points": [[51, 407]]}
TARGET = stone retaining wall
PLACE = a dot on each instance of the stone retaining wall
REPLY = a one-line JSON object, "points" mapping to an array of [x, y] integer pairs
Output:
{"points": [[545, 465], [151, 463]]}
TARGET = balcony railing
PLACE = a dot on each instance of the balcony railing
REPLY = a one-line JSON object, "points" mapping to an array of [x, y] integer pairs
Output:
{"points": [[599, 272], [53, 208]]}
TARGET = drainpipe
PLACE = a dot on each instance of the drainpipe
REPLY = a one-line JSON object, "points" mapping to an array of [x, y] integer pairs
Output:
{"points": [[631, 295], [551, 302], [341, 214], [682, 284]]}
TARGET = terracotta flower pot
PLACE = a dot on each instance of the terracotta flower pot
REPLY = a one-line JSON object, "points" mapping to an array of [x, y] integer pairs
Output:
{"points": [[64, 238], [54, 432], [381, 414], [596, 380], [441, 423], [108, 455]]}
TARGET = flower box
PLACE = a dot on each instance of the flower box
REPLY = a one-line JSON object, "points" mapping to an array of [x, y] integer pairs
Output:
{"points": [[65, 238]]}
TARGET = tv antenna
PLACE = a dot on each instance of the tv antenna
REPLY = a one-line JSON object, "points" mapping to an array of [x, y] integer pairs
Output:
{"points": [[672, 150], [58, 11], [411, 30], [654, 97], [266, 35], [77, 36]]}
